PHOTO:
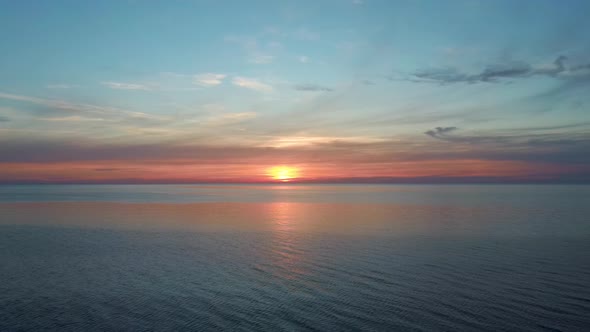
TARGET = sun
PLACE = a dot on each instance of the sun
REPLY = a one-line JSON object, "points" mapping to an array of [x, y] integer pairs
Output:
{"points": [[283, 173]]}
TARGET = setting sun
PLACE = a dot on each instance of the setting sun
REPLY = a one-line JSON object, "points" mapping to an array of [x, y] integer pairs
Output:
{"points": [[283, 173]]}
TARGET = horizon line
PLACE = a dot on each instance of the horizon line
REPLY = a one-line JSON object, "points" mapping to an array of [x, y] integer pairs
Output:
{"points": [[375, 181]]}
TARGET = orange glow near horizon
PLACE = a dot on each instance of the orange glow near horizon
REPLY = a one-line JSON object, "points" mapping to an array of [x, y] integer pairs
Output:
{"points": [[283, 173], [187, 171]]}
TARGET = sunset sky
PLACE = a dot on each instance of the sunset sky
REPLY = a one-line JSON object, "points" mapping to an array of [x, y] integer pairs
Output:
{"points": [[248, 91]]}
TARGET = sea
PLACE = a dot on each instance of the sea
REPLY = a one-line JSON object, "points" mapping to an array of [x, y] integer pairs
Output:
{"points": [[295, 257]]}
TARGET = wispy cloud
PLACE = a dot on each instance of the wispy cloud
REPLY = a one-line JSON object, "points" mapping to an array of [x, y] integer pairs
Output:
{"points": [[231, 118], [80, 108], [311, 88], [61, 86], [261, 59], [540, 144], [507, 140], [306, 34], [73, 118], [114, 169], [250, 83], [564, 149], [246, 42], [126, 86], [494, 73], [209, 79], [257, 53]]}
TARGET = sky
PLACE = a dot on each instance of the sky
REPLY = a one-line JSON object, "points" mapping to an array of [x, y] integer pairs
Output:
{"points": [[119, 91]]}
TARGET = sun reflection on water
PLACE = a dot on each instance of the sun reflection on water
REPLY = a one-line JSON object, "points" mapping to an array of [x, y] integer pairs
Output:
{"points": [[287, 250]]}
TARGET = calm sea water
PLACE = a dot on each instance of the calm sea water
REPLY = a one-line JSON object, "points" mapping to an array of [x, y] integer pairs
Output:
{"points": [[295, 257]]}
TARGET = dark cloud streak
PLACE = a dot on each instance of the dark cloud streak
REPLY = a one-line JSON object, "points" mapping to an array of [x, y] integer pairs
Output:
{"points": [[440, 132], [497, 72], [312, 88]]}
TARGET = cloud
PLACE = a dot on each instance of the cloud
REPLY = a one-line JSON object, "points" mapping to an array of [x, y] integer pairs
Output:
{"points": [[73, 118], [311, 87], [358, 2], [108, 169], [257, 53], [261, 59], [61, 86], [4, 119], [246, 42], [440, 132], [306, 34], [209, 79], [231, 118], [497, 72], [78, 108], [252, 84], [505, 70], [443, 134], [539, 144], [62, 104], [126, 86], [441, 75], [563, 149], [303, 59]]}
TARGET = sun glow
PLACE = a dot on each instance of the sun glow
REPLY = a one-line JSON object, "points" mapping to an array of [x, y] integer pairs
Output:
{"points": [[283, 173]]}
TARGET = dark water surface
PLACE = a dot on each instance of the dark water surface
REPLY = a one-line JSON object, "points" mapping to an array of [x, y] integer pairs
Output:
{"points": [[330, 258]]}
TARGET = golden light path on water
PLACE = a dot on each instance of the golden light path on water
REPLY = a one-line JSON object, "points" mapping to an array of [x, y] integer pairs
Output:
{"points": [[287, 253]]}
